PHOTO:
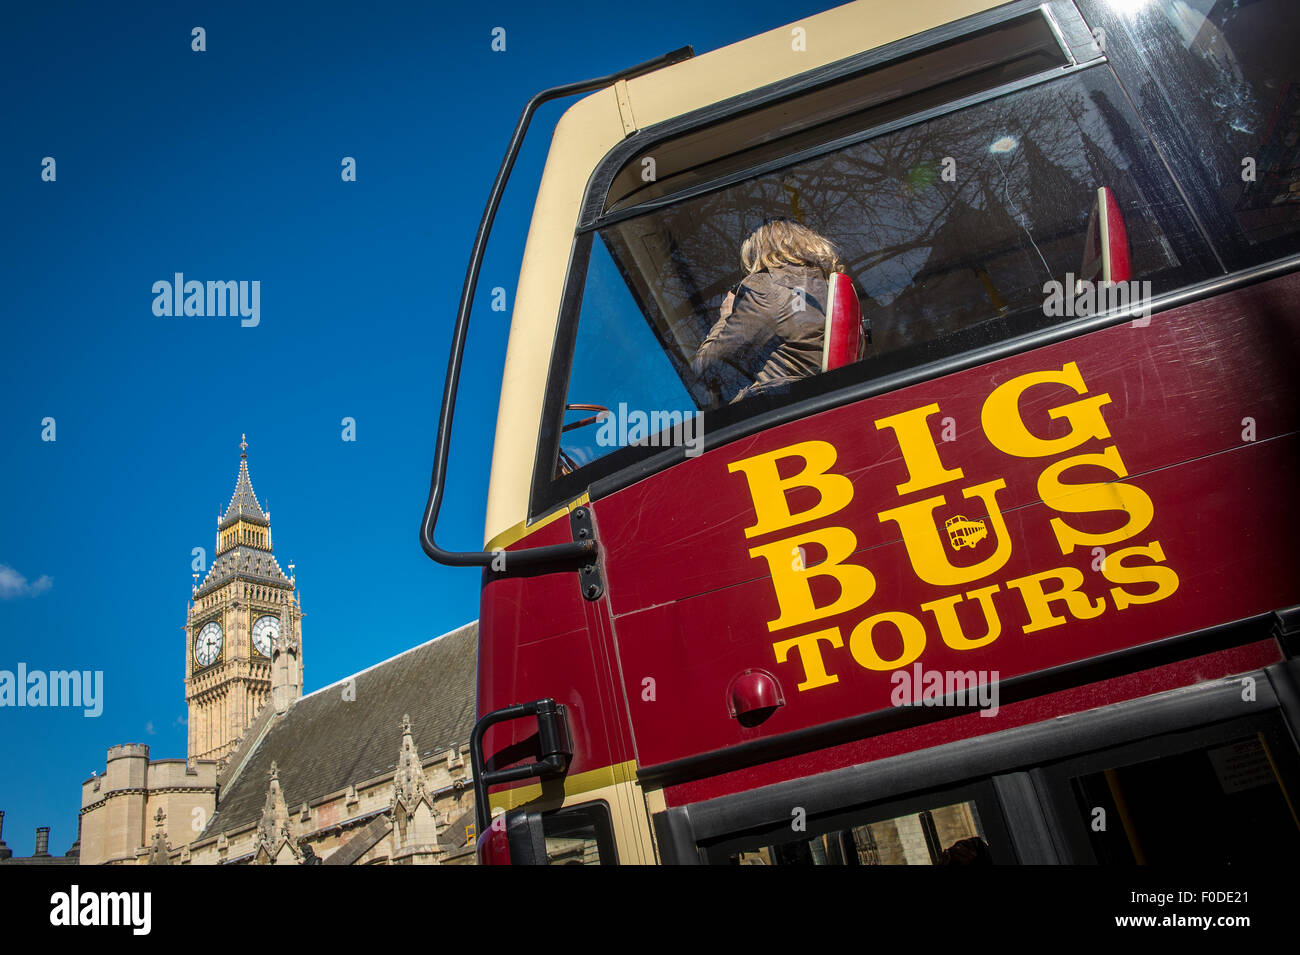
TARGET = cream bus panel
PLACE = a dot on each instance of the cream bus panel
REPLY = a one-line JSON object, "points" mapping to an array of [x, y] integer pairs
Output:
{"points": [[593, 126]]}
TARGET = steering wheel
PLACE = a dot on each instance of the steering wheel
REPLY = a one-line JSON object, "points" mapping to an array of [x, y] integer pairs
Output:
{"points": [[567, 464]]}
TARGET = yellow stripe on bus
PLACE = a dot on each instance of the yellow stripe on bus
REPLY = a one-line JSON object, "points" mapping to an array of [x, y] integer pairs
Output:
{"points": [[521, 530], [573, 786]]}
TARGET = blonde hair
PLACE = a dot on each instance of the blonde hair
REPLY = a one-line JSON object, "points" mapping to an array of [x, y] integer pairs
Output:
{"points": [[786, 242]]}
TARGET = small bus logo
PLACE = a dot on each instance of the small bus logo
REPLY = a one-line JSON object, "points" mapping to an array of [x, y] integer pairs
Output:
{"points": [[964, 533]]}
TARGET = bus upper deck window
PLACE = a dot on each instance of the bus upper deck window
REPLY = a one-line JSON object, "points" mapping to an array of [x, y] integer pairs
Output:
{"points": [[952, 229], [1218, 83]]}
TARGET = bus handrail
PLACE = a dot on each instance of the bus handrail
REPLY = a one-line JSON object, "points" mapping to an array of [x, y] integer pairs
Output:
{"points": [[533, 555], [554, 747]]}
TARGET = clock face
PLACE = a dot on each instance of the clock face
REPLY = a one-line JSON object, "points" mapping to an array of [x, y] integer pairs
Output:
{"points": [[207, 645], [265, 630]]}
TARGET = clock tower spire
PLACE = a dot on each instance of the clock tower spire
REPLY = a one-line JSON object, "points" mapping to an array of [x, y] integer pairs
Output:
{"points": [[237, 616]]}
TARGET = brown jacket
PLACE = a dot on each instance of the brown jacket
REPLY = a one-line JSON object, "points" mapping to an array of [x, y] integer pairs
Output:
{"points": [[772, 337]]}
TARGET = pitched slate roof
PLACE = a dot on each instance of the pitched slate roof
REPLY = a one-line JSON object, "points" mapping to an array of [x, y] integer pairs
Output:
{"points": [[250, 563], [243, 503], [325, 743], [253, 563], [362, 842]]}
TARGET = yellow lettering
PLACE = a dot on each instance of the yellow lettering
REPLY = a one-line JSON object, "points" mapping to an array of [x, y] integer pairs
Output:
{"points": [[810, 654], [1006, 429], [1038, 602], [768, 489], [1094, 496], [926, 544], [862, 644], [1164, 578], [945, 614], [920, 453], [793, 587]]}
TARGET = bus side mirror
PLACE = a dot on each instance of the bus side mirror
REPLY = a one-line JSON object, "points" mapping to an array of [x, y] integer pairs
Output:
{"points": [[513, 838], [526, 838]]}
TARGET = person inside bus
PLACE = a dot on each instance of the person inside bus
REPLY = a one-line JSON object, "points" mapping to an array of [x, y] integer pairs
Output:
{"points": [[970, 851], [772, 324]]}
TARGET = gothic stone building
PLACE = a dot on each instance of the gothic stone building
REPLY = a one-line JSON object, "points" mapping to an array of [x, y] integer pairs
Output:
{"points": [[372, 769]]}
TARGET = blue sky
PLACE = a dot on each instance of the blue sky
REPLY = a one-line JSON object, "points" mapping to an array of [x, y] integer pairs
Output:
{"points": [[225, 165]]}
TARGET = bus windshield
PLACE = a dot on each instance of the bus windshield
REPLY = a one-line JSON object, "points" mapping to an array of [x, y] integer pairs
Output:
{"points": [[951, 230]]}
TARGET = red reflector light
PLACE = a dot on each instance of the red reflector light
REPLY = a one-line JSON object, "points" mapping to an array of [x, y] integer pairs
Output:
{"points": [[753, 696]]}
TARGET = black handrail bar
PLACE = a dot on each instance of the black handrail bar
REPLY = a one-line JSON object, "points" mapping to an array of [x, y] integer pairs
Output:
{"points": [[553, 756], [578, 549]]}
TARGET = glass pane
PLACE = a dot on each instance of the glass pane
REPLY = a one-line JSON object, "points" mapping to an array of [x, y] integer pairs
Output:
{"points": [[1219, 83], [617, 361], [577, 849], [1218, 805], [949, 835], [579, 836], [951, 227], [1015, 49]]}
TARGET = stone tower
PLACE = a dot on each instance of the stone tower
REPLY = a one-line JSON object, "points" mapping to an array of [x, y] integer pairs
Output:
{"points": [[286, 665], [234, 621]]}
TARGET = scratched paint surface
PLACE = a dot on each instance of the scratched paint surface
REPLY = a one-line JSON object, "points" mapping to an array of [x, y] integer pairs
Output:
{"points": [[1189, 480]]}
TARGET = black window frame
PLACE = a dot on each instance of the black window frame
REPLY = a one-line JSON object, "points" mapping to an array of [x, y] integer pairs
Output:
{"points": [[627, 465], [597, 813], [1022, 764], [979, 791], [1054, 781]]}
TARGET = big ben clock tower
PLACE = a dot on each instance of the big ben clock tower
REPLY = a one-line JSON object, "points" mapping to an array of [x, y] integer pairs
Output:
{"points": [[244, 625]]}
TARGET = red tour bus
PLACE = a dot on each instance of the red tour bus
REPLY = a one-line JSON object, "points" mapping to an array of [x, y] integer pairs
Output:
{"points": [[1011, 577]]}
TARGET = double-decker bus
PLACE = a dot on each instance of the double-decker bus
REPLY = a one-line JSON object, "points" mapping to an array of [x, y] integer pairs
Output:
{"points": [[1013, 579]]}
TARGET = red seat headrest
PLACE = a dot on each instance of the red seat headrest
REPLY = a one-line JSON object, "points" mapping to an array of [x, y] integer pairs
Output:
{"points": [[843, 339]]}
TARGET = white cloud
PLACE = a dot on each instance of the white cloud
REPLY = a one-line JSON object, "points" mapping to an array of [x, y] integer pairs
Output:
{"points": [[148, 728], [14, 584]]}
